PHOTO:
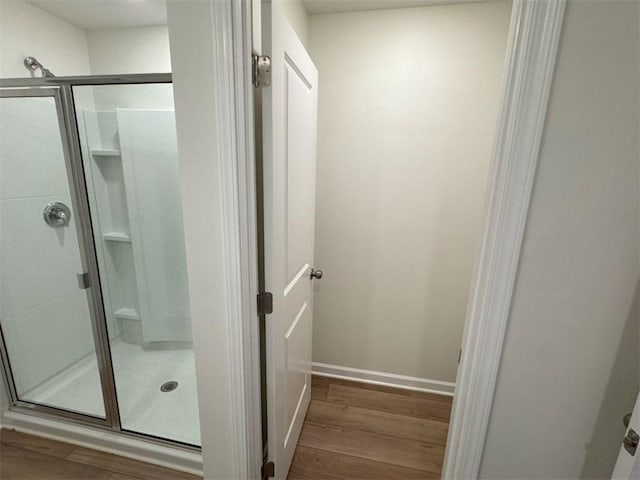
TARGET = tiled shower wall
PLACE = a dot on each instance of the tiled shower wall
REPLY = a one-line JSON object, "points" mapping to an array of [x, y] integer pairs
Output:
{"points": [[44, 315]]}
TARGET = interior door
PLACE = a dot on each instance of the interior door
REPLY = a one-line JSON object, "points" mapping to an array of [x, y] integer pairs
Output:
{"points": [[628, 463], [289, 156]]}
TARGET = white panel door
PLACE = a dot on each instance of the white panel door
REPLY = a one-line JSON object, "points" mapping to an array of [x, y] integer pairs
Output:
{"points": [[628, 464], [289, 129]]}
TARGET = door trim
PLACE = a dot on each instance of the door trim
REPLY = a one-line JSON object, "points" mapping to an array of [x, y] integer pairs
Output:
{"points": [[530, 60], [214, 120], [530, 63]]}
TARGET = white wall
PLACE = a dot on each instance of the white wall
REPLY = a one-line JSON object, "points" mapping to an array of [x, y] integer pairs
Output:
{"points": [[294, 10], [26, 30], [570, 365], [407, 116], [130, 50], [296, 13]]}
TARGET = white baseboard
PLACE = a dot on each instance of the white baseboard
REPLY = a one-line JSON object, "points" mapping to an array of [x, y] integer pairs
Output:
{"points": [[106, 441], [385, 379]]}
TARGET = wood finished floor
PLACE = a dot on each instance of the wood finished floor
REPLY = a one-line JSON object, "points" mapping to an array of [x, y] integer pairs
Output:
{"points": [[26, 457], [352, 431], [362, 431]]}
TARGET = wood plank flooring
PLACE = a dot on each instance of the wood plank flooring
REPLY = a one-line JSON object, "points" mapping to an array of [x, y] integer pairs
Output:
{"points": [[352, 431], [27, 457], [362, 431]]}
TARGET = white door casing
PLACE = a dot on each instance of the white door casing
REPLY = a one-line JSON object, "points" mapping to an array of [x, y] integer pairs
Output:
{"points": [[628, 466], [221, 30], [289, 120]]}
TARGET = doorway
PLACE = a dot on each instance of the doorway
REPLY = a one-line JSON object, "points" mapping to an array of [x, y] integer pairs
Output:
{"points": [[406, 123]]}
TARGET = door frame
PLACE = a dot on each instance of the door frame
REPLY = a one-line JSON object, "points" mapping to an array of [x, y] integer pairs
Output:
{"points": [[217, 106]]}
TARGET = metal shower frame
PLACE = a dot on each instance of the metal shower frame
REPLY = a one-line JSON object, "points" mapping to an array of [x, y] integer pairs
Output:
{"points": [[61, 90]]}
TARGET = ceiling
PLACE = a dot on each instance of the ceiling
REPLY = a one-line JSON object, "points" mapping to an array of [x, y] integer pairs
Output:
{"points": [[337, 6], [99, 14]]}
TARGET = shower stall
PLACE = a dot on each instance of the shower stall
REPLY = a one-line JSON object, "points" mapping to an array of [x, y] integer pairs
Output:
{"points": [[94, 302]]}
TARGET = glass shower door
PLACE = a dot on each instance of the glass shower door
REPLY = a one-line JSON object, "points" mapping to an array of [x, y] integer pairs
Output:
{"points": [[45, 305], [129, 148]]}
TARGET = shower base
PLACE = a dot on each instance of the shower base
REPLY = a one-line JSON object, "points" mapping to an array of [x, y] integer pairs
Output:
{"points": [[139, 374]]}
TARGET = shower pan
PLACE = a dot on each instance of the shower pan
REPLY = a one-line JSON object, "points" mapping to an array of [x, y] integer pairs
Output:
{"points": [[94, 312]]}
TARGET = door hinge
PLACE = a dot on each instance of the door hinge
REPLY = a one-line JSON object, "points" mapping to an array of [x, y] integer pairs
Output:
{"points": [[268, 470], [265, 303], [83, 280], [261, 71]]}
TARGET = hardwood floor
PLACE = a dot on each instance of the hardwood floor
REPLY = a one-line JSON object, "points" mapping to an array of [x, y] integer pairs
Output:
{"points": [[352, 431], [26, 457], [362, 431]]}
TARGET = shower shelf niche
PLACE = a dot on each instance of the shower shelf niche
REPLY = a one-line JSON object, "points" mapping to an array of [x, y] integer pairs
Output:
{"points": [[116, 237], [127, 314], [112, 230], [105, 152], [133, 183]]}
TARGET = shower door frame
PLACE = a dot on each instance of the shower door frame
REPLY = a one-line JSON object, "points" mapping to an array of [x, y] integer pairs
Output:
{"points": [[61, 89]]}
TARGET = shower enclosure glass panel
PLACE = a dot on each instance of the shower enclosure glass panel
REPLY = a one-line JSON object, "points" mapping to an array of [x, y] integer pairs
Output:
{"points": [[129, 148], [45, 313]]}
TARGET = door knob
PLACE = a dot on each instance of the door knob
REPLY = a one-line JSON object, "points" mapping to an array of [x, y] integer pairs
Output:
{"points": [[56, 214], [317, 274]]}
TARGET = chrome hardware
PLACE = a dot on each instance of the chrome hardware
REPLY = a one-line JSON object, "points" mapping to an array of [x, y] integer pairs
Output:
{"points": [[317, 274], [56, 214], [261, 71], [630, 441], [32, 65]]}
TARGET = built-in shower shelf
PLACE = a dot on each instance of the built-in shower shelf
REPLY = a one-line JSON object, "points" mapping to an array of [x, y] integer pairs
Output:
{"points": [[105, 152], [126, 313], [116, 237]]}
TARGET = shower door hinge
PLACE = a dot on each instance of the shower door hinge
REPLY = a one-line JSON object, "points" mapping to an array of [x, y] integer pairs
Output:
{"points": [[261, 71], [265, 303], [268, 470], [83, 280]]}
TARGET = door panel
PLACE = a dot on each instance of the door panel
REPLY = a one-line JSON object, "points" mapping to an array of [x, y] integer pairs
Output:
{"points": [[289, 151], [300, 169], [45, 316]]}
